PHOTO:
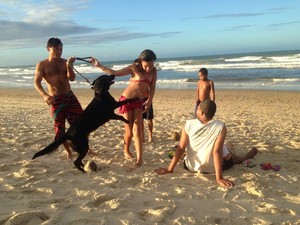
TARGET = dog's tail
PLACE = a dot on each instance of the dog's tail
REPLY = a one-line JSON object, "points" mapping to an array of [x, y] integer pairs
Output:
{"points": [[50, 148]]}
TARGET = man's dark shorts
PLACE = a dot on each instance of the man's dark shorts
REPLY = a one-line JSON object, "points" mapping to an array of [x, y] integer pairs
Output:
{"points": [[226, 164], [149, 115]]}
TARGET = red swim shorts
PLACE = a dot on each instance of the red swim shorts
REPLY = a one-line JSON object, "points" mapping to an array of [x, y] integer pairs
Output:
{"points": [[130, 106]]}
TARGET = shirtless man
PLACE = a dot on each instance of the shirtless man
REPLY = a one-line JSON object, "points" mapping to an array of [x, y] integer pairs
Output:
{"points": [[205, 88], [57, 72], [203, 139]]}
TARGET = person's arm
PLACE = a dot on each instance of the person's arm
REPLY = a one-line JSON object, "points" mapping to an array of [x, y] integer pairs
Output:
{"points": [[197, 91], [153, 85], [125, 71], [184, 140], [212, 91], [148, 103], [38, 77], [218, 158], [70, 72]]}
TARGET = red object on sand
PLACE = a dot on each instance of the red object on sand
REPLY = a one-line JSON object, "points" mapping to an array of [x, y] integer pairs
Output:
{"points": [[268, 166]]}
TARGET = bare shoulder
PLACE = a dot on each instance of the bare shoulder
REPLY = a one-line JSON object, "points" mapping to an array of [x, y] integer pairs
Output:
{"points": [[42, 64], [210, 82], [133, 67], [63, 60]]}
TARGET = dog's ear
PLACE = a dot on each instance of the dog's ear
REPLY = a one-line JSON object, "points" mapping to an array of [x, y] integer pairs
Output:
{"points": [[97, 87]]}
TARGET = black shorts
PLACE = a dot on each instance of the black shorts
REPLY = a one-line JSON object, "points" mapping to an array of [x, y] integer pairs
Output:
{"points": [[226, 164], [149, 114]]}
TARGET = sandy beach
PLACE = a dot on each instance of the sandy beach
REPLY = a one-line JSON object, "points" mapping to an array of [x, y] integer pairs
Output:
{"points": [[49, 190]]}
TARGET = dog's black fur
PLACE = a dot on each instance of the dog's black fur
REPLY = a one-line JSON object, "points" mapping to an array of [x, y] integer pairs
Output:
{"points": [[98, 112]]}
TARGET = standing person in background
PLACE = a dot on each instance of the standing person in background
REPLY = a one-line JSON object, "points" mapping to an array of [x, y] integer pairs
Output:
{"points": [[205, 88], [149, 115], [141, 85], [57, 74]]}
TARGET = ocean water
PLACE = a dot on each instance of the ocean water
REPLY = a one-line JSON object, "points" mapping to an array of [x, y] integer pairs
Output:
{"points": [[260, 71]]}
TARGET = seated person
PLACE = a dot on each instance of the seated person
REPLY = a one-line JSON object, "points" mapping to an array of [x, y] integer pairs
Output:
{"points": [[203, 139]]}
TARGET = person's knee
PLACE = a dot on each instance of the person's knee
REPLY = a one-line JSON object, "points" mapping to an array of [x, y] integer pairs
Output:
{"points": [[227, 157]]}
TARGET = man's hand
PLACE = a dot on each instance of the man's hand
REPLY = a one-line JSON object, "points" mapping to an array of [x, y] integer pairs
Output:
{"points": [[225, 183], [48, 99], [146, 105], [71, 60], [162, 171], [95, 62]]}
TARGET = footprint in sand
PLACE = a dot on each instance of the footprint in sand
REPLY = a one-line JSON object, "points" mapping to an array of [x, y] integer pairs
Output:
{"points": [[104, 203], [272, 209], [30, 217], [159, 213]]}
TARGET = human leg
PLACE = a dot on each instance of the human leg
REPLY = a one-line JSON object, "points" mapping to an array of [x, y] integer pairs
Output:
{"points": [[230, 158], [149, 115], [72, 110], [59, 116], [128, 134], [133, 113], [250, 154], [143, 131], [59, 129], [150, 128], [137, 134]]}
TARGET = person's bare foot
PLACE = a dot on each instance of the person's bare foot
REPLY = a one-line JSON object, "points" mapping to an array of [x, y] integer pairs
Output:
{"points": [[69, 155], [131, 167], [139, 163], [128, 155], [253, 152]]}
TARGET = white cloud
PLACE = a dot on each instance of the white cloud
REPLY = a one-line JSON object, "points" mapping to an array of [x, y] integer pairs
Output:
{"points": [[44, 12]]}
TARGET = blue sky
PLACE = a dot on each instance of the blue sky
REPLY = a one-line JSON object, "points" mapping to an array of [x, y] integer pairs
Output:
{"points": [[120, 30]]}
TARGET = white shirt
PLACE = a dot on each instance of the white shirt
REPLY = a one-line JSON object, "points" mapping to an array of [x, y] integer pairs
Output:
{"points": [[202, 137]]}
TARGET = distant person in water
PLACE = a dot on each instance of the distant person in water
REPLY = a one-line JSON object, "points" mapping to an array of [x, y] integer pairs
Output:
{"points": [[57, 74], [205, 88]]}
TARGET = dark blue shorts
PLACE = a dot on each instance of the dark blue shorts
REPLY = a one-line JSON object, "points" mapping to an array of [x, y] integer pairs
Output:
{"points": [[149, 115]]}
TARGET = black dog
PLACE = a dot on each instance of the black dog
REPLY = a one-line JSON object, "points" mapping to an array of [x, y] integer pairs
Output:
{"points": [[98, 112]]}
